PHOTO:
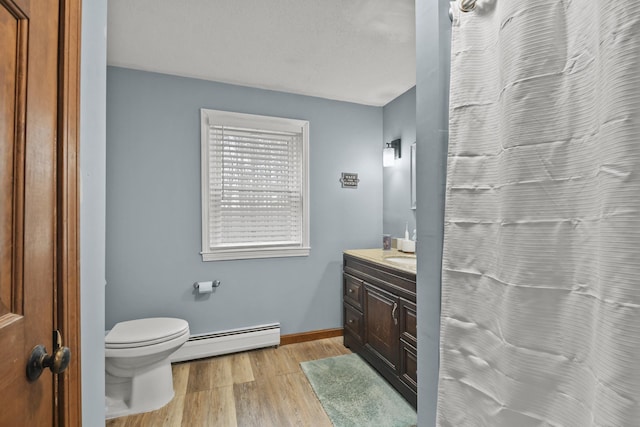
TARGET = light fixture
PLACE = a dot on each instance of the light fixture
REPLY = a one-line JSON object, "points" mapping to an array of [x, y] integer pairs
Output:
{"points": [[391, 153]]}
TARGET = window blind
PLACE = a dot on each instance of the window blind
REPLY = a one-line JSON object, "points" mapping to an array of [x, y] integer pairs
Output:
{"points": [[255, 187]]}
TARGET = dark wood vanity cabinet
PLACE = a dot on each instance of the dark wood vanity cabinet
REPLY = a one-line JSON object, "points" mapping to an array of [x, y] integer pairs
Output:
{"points": [[379, 307]]}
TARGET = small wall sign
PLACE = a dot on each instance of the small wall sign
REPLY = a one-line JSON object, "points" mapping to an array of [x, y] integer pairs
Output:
{"points": [[349, 180]]}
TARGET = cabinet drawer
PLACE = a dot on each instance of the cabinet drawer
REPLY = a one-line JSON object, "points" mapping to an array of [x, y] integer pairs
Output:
{"points": [[353, 322], [408, 322], [353, 291], [408, 365]]}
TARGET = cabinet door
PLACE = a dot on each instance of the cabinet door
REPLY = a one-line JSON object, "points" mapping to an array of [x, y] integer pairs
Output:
{"points": [[381, 324], [409, 365], [408, 322]]}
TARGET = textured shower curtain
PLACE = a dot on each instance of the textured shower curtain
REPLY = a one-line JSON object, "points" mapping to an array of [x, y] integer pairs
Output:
{"points": [[540, 317]]}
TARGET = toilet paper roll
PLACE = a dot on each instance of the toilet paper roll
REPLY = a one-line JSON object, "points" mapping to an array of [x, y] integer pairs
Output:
{"points": [[205, 287]]}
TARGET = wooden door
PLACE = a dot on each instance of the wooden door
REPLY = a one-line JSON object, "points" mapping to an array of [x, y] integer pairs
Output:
{"points": [[38, 124], [381, 324]]}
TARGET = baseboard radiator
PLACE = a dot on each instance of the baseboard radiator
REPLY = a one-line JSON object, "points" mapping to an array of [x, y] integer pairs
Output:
{"points": [[225, 342]]}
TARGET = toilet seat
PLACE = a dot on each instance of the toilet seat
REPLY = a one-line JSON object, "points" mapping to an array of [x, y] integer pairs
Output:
{"points": [[145, 332]]}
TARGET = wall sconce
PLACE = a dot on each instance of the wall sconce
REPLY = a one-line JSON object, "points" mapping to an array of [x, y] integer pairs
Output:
{"points": [[391, 153]]}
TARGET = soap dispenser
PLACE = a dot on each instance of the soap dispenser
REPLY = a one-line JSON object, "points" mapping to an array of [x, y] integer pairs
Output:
{"points": [[406, 231]]}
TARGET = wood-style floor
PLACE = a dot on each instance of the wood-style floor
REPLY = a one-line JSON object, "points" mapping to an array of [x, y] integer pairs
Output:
{"points": [[264, 387]]}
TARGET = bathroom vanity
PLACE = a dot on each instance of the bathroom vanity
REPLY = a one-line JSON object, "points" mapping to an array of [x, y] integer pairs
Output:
{"points": [[379, 312]]}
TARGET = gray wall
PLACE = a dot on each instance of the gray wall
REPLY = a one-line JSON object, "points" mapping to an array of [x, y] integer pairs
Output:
{"points": [[433, 35], [93, 71], [399, 121], [153, 206]]}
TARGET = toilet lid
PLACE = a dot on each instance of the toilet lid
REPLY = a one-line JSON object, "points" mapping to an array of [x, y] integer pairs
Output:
{"points": [[142, 332]]}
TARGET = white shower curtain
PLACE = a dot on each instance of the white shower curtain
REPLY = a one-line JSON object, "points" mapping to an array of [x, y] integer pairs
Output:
{"points": [[540, 317]]}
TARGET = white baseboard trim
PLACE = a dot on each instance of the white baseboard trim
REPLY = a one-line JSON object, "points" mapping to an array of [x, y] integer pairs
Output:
{"points": [[225, 342]]}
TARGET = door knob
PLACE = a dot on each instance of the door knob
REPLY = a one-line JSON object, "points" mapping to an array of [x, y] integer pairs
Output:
{"points": [[56, 362]]}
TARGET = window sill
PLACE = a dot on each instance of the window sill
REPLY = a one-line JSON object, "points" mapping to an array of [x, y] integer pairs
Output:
{"points": [[234, 254]]}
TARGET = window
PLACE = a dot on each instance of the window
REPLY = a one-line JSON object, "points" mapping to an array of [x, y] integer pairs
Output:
{"points": [[255, 186]]}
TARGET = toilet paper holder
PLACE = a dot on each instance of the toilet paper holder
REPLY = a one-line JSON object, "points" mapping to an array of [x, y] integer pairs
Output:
{"points": [[215, 284]]}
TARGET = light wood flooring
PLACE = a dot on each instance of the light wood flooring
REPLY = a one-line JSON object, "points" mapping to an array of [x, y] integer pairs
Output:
{"points": [[264, 387]]}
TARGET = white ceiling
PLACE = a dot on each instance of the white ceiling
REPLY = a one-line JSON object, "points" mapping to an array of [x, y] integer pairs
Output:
{"points": [[359, 51]]}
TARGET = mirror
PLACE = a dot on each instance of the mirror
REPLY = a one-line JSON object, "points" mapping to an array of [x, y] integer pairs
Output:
{"points": [[413, 176], [399, 183]]}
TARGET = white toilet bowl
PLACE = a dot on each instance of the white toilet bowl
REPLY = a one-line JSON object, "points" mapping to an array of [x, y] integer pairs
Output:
{"points": [[138, 371]]}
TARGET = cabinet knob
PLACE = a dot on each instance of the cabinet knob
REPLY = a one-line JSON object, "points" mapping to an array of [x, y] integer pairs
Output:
{"points": [[350, 320], [350, 290]]}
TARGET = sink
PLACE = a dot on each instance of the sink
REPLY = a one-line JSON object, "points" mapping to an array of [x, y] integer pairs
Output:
{"points": [[403, 260]]}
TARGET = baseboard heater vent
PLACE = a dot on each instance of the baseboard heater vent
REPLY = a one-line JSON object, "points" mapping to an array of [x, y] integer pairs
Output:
{"points": [[225, 342]]}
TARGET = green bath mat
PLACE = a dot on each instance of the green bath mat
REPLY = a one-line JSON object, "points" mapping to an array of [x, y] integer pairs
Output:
{"points": [[354, 395]]}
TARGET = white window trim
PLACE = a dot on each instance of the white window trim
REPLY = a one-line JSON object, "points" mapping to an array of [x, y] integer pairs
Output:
{"points": [[266, 123]]}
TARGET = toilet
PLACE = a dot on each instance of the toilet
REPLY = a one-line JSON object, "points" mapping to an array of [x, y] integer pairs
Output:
{"points": [[138, 370]]}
